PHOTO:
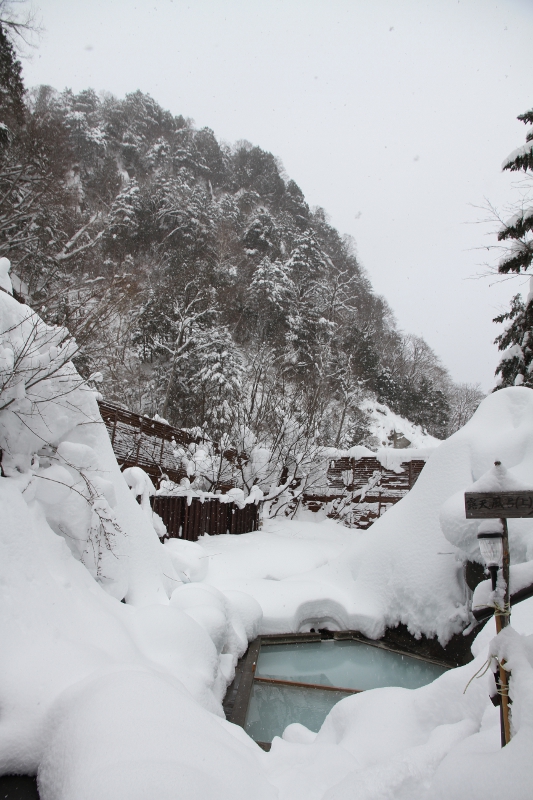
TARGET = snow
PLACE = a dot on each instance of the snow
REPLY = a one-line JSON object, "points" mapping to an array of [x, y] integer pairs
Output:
{"points": [[501, 430], [5, 280], [104, 699], [390, 458], [383, 423], [475, 768], [406, 568], [500, 479], [170, 489], [520, 577], [421, 727], [142, 487], [137, 734], [515, 351], [523, 150], [520, 216]]}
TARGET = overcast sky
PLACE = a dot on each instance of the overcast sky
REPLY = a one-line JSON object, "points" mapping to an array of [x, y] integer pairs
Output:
{"points": [[393, 116]]}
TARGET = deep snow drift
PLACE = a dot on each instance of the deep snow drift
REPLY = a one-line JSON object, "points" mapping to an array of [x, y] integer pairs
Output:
{"points": [[408, 567], [96, 691], [110, 700]]}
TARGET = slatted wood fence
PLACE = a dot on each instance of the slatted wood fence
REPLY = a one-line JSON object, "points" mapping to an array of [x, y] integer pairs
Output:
{"points": [[348, 476], [189, 521], [138, 441]]}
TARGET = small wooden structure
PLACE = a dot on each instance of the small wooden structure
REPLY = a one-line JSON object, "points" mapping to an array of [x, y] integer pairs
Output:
{"points": [[363, 489]]}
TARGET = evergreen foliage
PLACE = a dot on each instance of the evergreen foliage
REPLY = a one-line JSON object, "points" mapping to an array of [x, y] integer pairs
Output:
{"points": [[516, 342], [11, 90], [517, 230], [516, 364]]}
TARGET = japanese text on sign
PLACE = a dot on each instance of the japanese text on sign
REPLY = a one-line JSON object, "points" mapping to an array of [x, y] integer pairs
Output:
{"points": [[480, 505]]}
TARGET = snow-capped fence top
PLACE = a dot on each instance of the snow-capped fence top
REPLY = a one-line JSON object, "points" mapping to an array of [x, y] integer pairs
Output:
{"points": [[188, 517]]}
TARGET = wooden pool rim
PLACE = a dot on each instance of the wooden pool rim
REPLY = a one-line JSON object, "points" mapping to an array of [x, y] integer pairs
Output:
{"points": [[396, 640]]}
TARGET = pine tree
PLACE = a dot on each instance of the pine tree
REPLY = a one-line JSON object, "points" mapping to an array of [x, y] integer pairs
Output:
{"points": [[516, 342], [11, 90], [272, 285], [121, 236], [518, 229]]}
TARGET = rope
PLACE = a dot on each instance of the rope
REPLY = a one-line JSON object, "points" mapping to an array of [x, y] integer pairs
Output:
{"points": [[502, 611], [479, 674]]}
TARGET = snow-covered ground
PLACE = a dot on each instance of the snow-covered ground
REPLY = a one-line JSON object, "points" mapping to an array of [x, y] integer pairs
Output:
{"points": [[111, 700]]}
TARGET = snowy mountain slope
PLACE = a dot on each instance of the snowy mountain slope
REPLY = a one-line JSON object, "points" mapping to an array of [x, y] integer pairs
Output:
{"points": [[383, 424]]}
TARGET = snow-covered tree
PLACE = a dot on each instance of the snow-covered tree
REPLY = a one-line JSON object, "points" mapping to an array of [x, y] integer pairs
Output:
{"points": [[516, 342], [464, 398], [517, 231], [112, 208], [12, 90]]}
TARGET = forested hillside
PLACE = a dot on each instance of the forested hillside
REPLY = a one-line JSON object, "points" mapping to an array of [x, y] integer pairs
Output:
{"points": [[195, 277]]}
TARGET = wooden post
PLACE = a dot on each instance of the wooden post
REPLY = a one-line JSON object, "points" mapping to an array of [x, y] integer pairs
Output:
{"points": [[186, 509], [114, 429], [502, 505], [502, 621], [139, 442]]}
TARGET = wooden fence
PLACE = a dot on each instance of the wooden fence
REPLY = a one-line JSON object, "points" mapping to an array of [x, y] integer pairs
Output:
{"points": [[350, 474], [212, 516], [138, 441], [346, 479]]}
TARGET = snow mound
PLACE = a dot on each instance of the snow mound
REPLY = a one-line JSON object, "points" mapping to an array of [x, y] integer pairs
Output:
{"points": [[96, 693], [406, 568]]}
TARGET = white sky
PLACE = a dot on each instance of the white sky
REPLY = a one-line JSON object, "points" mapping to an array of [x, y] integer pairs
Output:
{"points": [[393, 115]]}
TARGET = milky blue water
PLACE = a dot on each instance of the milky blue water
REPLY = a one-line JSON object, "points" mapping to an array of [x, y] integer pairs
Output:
{"points": [[272, 708], [342, 664], [345, 664]]}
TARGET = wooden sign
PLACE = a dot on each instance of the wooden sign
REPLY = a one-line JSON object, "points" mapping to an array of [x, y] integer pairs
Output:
{"points": [[503, 505]]}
